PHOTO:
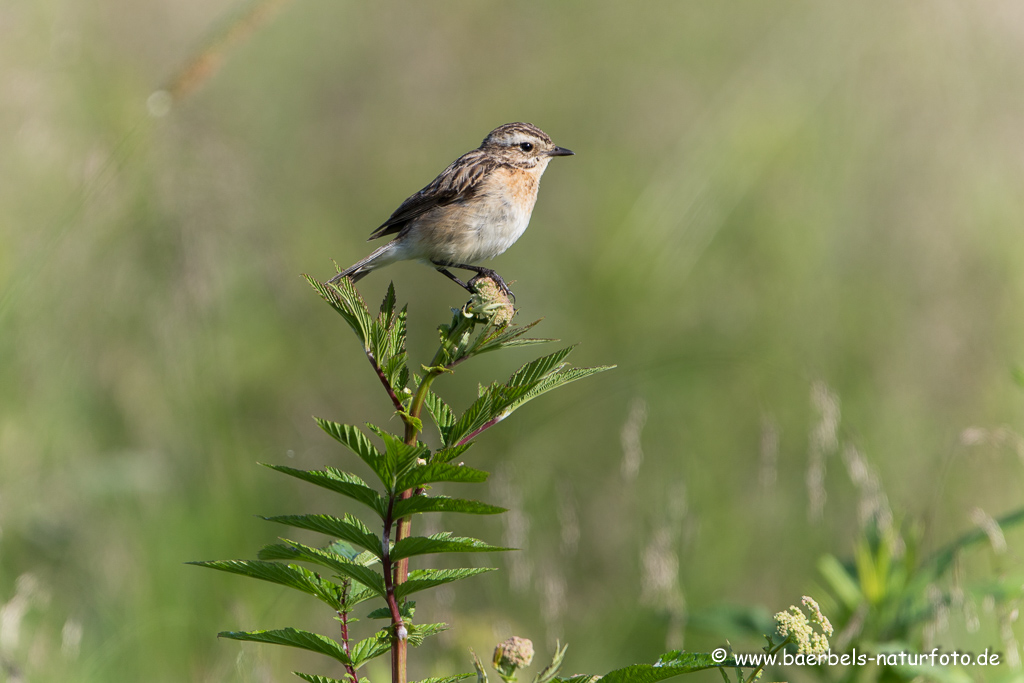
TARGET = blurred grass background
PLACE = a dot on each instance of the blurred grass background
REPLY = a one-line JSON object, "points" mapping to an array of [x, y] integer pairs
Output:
{"points": [[784, 220]]}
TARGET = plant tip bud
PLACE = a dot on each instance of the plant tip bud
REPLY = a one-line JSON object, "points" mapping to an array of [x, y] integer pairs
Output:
{"points": [[513, 654]]}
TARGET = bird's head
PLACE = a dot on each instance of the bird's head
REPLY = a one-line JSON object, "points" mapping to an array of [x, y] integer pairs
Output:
{"points": [[523, 145]]}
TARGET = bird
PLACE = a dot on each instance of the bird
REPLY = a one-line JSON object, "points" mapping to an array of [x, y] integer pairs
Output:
{"points": [[474, 210]]}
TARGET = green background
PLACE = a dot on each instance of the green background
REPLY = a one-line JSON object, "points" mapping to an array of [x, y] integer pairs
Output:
{"points": [[784, 219]]}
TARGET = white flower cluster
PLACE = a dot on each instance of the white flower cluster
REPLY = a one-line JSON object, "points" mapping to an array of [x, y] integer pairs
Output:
{"points": [[793, 623]]}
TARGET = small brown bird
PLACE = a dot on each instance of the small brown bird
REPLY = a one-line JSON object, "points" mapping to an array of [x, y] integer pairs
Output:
{"points": [[476, 209]]}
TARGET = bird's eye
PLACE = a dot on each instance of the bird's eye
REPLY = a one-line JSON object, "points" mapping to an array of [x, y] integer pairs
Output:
{"points": [[526, 146]]}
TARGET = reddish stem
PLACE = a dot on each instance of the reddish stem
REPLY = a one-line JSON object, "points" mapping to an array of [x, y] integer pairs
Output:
{"points": [[485, 426], [344, 637], [384, 380]]}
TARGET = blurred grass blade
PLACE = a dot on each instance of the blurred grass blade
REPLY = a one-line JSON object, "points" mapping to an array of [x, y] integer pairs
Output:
{"points": [[207, 61]]}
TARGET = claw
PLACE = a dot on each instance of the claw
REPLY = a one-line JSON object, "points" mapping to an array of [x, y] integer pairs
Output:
{"points": [[497, 279]]}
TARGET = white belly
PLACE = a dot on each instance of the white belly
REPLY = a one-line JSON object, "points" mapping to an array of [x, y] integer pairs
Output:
{"points": [[469, 233], [495, 233]]}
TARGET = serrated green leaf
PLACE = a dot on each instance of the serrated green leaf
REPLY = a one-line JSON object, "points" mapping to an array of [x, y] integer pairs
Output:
{"points": [[347, 551], [443, 542], [353, 439], [387, 306], [422, 579], [380, 613], [318, 679], [348, 529], [345, 483], [407, 609], [366, 582], [364, 323], [366, 558], [314, 642], [450, 453], [396, 372], [534, 371], [671, 664], [445, 679], [526, 341], [420, 632], [369, 648], [494, 404], [443, 416], [476, 414], [399, 456], [507, 337], [389, 339], [292, 576], [417, 423], [346, 301], [399, 327], [439, 471], [418, 504], [557, 379]]}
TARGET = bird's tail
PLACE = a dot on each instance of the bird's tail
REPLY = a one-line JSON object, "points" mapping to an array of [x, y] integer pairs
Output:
{"points": [[380, 257]]}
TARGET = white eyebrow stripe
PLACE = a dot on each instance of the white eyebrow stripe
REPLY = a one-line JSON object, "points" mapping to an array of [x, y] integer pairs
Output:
{"points": [[518, 138]]}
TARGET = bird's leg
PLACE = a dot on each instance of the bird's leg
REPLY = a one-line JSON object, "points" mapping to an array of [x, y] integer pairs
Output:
{"points": [[480, 271], [448, 274]]}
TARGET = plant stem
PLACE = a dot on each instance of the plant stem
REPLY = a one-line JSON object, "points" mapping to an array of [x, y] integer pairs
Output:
{"points": [[384, 380], [485, 426], [398, 649], [416, 407], [343, 614], [398, 574]]}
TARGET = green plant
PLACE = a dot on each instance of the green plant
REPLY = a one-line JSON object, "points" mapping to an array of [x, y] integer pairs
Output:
{"points": [[883, 601], [371, 563], [884, 598], [879, 600]]}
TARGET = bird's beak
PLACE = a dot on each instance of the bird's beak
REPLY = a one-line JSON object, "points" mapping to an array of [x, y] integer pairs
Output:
{"points": [[561, 152]]}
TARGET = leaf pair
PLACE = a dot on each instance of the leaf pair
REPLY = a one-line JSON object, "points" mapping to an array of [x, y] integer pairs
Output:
{"points": [[399, 467]]}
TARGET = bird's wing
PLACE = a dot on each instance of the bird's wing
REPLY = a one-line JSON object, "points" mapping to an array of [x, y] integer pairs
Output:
{"points": [[457, 183]]}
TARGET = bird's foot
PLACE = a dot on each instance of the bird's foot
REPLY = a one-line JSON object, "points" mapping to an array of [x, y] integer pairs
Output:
{"points": [[488, 274]]}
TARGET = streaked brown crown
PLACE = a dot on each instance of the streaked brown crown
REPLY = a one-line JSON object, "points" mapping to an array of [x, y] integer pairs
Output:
{"points": [[508, 134]]}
